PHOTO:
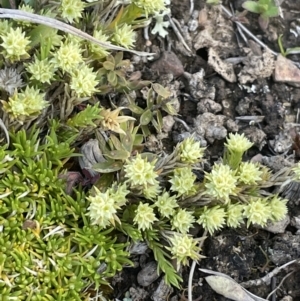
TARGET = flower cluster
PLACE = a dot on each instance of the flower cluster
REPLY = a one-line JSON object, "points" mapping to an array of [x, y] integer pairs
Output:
{"points": [[104, 205], [140, 172], [68, 56], [236, 146], [96, 49], [234, 215], [249, 173], [212, 218], [182, 221], [166, 204], [84, 81], [183, 247], [15, 44], [150, 7], [124, 36], [144, 216], [41, 70], [111, 120], [72, 10], [27, 103], [190, 151], [221, 183], [183, 181]]}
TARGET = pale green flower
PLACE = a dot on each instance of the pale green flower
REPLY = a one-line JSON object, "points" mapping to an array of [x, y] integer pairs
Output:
{"points": [[84, 81], [258, 211], [151, 191], [41, 70], [5, 26], [96, 49], [235, 215], [124, 36], [140, 172], [72, 10], [183, 181], [238, 143], [183, 248], [212, 219], [27, 103], [68, 56], [150, 6], [15, 44], [190, 151], [249, 173], [221, 183], [118, 193], [182, 221], [144, 217], [166, 204], [102, 209], [278, 208]]}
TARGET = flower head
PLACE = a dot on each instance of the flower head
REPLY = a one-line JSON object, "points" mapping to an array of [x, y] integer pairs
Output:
{"points": [[258, 211], [96, 49], [124, 36], [144, 217], [140, 172], [278, 208], [150, 7], [102, 209], [212, 219], [41, 70], [182, 221], [249, 173], [183, 181], [71, 10], [84, 81], [118, 193], [221, 182], [183, 248], [238, 143], [68, 56], [190, 151], [111, 120], [166, 204], [10, 80], [27, 103], [150, 192], [235, 215], [15, 44]]}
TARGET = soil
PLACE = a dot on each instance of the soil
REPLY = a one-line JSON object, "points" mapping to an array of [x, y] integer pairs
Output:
{"points": [[226, 93]]}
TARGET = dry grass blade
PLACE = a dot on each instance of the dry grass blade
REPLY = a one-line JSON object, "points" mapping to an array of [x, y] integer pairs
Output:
{"points": [[25, 16]]}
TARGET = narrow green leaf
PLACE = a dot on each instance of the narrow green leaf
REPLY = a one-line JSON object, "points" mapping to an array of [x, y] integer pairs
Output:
{"points": [[160, 90], [146, 117], [252, 6], [118, 154], [116, 142], [272, 12], [135, 109], [109, 166]]}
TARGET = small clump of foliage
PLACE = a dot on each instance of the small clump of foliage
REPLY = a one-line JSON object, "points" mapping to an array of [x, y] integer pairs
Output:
{"points": [[61, 243]]}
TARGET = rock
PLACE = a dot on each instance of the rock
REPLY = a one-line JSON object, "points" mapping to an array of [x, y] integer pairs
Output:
{"points": [[225, 69], [277, 227], [286, 72], [148, 274], [168, 63]]}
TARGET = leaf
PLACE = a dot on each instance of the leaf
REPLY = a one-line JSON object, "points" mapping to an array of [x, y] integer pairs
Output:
{"points": [[119, 58], [252, 6], [104, 181], [160, 90], [135, 109], [138, 139], [109, 166], [127, 142], [227, 287], [118, 154], [272, 12], [145, 130], [294, 50], [109, 65], [146, 117], [112, 78], [39, 33], [116, 142]]}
